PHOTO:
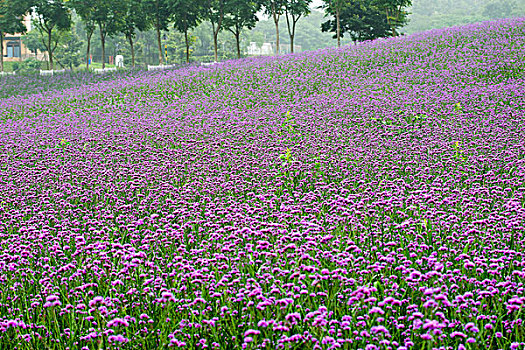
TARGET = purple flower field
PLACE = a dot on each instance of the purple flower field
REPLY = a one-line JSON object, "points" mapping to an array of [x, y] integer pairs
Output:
{"points": [[369, 197]]}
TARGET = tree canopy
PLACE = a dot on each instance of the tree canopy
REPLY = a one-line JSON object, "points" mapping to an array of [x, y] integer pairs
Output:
{"points": [[11, 21], [242, 14], [293, 11], [159, 14], [361, 21], [186, 16], [430, 14], [53, 20]]}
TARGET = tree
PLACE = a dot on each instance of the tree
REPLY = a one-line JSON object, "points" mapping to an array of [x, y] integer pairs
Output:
{"points": [[176, 44], [361, 20], [204, 40], [11, 21], [308, 34], [396, 15], [214, 12], [499, 9], [242, 14], [53, 20], [186, 16], [33, 41], [430, 14], [275, 9], [334, 8], [109, 16], [86, 11], [133, 19], [158, 13], [294, 10], [68, 51]]}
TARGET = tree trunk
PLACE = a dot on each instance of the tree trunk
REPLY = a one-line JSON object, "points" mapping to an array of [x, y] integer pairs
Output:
{"points": [[88, 50], [337, 19], [390, 22], [397, 16], [49, 52], [215, 35], [130, 39], [237, 41], [291, 29], [159, 43], [276, 21], [103, 42], [187, 46], [1, 51]]}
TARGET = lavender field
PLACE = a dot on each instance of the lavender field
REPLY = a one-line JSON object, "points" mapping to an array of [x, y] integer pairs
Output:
{"points": [[369, 197]]}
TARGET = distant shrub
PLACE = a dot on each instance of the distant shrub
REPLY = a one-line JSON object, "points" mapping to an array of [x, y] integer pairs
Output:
{"points": [[31, 65]]}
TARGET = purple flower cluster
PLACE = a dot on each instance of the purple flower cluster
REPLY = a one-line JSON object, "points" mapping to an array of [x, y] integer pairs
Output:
{"points": [[369, 197]]}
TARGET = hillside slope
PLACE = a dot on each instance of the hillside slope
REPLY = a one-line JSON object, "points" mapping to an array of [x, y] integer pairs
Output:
{"points": [[366, 197]]}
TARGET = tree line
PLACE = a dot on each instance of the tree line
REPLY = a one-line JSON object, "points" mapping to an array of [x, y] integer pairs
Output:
{"points": [[430, 14], [360, 19]]}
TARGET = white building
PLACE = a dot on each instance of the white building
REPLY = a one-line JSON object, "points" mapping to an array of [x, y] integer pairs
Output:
{"points": [[265, 50], [253, 49], [268, 49], [14, 48]]}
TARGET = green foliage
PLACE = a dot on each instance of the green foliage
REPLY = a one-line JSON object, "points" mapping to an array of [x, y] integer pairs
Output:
{"points": [[29, 66], [214, 12], [53, 20], [289, 123], [334, 8], [52, 14], [176, 44], [308, 34], [11, 21], [133, 19], [273, 7], [158, 12], [459, 152], [430, 14], [241, 14], [68, 52], [298, 7], [294, 10], [395, 12], [286, 158], [361, 21], [186, 16], [63, 143], [33, 41], [11, 15], [367, 20], [86, 12], [499, 9], [109, 15]]}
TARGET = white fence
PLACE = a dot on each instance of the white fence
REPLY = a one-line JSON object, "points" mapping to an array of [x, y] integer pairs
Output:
{"points": [[208, 64], [51, 72], [104, 70], [7, 73], [161, 67]]}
